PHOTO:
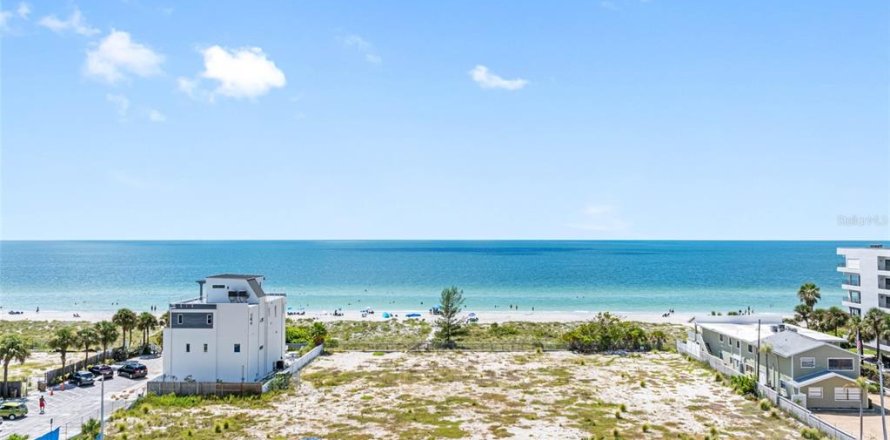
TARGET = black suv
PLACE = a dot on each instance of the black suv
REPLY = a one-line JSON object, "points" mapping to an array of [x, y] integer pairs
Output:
{"points": [[102, 370], [132, 370], [82, 378]]}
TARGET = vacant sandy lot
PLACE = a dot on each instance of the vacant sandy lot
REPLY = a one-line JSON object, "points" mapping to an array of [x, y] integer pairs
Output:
{"points": [[475, 395]]}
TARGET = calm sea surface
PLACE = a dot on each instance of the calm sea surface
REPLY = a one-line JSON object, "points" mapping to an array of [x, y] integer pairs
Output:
{"points": [[548, 275]]}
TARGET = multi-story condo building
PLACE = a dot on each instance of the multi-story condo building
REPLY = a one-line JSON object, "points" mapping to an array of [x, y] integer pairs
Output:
{"points": [[233, 332], [866, 282], [801, 364]]}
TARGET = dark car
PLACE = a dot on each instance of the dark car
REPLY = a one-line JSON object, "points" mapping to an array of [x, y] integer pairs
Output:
{"points": [[133, 370], [102, 370], [82, 378]]}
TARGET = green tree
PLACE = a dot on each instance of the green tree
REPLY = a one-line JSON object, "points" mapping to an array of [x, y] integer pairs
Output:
{"points": [[837, 318], [12, 348], [856, 325], [809, 294], [803, 312], [451, 301], [86, 339], [318, 333], [820, 320], [766, 350], [62, 341], [658, 337], [862, 384], [126, 320], [876, 322], [107, 333], [90, 428], [606, 332], [146, 323]]}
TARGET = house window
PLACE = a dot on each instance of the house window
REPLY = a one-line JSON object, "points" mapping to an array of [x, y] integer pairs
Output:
{"points": [[237, 348], [219, 286], [179, 318], [738, 344], [721, 338], [840, 364], [814, 392], [842, 394], [210, 319], [750, 348], [205, 348], [188, 348], [808, 362]]}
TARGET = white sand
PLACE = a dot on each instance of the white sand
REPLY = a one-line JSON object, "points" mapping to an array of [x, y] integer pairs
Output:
{"points": [[355, 315]]}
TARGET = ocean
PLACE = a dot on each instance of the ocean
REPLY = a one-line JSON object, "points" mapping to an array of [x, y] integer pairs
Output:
{"points": [[631, 276]]}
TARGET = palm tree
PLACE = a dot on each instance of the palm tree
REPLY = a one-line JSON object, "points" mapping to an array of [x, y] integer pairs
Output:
{"points": [[803, 312], [87, 338], [837, 318], [858, 332], [146, 323], [876, 321], [809, 294], [767, 350], [107, 333], [12, 348], [451, 301], [862, 383], [820, 320], [90, 428], [126, 320], [317, 333], [62, 340]]}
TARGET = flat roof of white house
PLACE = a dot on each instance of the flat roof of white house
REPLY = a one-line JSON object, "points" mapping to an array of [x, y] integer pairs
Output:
{"points": [[748, 331]]}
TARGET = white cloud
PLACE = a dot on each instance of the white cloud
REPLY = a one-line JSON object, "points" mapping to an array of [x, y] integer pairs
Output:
{"points": [[24, 10], [156, 116], [117, 55], [488, 80], [4, 19], [121, 102], [601, 218], [362, 46], [241, 73], [75, 23]]}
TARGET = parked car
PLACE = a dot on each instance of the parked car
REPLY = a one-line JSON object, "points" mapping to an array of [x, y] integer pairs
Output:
{"points": [[132, 370], [82, 378], [13, 410], [102, 370]]}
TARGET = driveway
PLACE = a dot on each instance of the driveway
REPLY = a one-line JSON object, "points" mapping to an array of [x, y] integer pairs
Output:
{"points": [[70, 407], [849, 420]]}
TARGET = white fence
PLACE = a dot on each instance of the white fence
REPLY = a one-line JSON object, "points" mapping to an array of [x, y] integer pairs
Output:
{"points": [[305, 359], [798, 412]]}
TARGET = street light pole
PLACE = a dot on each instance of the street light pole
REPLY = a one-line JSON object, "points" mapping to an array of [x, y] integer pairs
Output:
{"points": [[102, 411]]}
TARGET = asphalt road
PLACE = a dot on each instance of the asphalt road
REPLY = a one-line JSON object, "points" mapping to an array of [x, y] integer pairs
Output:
{"points": [[70, 407]]}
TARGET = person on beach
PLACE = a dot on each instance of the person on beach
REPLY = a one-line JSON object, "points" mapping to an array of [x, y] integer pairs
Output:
{"points": [[42, 404]]}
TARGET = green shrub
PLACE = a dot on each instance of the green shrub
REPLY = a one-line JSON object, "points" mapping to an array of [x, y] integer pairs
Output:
{"points": [[811, 434], [743, 384], [765, 404], [607, 332]]}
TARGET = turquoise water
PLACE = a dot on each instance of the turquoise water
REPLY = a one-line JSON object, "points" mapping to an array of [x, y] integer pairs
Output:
{"points": [[548, 275]]}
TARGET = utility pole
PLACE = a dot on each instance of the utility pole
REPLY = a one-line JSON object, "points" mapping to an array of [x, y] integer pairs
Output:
{"points": [[102, 411], [881, 389], [757, 364]]}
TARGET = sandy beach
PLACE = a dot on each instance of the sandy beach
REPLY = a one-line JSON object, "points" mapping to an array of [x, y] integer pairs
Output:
{"points": [[355, 315]]}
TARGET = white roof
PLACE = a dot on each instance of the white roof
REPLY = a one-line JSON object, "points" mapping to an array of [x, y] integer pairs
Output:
{"points": [[748, 331]]}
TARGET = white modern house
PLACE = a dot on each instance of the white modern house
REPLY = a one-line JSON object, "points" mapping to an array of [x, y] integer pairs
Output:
{"points": [[233, 332], [866, 272]]}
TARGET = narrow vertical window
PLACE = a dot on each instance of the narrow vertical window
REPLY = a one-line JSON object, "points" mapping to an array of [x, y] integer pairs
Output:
{"points": [[188, 348], [205, 348]]}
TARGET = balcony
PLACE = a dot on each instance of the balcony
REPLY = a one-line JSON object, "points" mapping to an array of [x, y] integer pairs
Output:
{"points": [[884, 265], [855, 301]]}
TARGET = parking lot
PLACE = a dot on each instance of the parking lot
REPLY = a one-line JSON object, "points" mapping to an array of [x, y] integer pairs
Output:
{"points": [[68, 408]]}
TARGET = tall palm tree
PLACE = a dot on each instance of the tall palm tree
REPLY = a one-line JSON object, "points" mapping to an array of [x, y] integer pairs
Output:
{"points": [[12, 348], [86, 339], [857, 327], [317, 333], [107, 333], [126, 320], [63, 339], [820, 320], [862, 384], [803, 312], [766, 350], [809, 294], [146, 323], [837, 318], [876, 321]]}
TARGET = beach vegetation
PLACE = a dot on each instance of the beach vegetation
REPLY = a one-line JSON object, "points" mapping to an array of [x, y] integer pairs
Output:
{"points": [[743, 384], [875, 322], [89, 429], [106, 333], [126, 319], [146, 323], [87, 338], [607, 332], [450, 329], [12, 348]]}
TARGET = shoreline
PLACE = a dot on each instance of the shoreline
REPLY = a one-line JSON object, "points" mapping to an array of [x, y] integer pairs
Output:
{"points": [[485, 317]]}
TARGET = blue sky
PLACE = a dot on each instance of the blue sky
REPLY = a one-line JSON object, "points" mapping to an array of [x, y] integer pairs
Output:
{"points": [[500, 119]]}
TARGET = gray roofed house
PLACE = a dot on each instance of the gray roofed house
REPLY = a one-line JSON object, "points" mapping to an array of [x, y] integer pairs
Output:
{"points": [[789, 343]]}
